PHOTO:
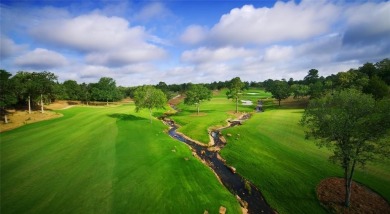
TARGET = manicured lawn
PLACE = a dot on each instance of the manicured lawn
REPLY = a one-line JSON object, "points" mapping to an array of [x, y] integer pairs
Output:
{"points": [[104, 160], [213, 113], [270, 150]]}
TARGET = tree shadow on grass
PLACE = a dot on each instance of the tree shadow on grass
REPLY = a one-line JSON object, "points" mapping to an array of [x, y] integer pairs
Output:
{"points": [[205, 111], [126, 117]]}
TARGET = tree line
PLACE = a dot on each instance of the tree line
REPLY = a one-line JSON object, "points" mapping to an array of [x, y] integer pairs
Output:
{"points": [[34, 89], [370, 78]]}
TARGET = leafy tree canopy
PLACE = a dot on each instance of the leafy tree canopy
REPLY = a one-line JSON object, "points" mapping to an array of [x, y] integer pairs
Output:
{"points": [[235, 90], [351, 124], [196, 94], [72, 90], [7, 93], [280, 89], [150, 98], [311, 77], [299, 90]]}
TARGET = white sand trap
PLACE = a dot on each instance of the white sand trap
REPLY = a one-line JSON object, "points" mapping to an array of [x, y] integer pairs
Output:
{"points": [[246, 102]]}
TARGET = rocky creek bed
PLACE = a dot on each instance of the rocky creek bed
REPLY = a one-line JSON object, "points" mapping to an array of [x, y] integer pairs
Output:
{"points": [[246, 193]]}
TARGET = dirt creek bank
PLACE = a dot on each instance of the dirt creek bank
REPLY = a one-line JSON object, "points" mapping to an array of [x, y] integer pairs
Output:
{"points": [[246, 193]]}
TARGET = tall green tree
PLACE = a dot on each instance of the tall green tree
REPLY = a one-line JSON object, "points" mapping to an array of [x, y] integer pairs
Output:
{"points": [[107, 87], [383, 68], [24, 88], [165, 88], [197, 94], [299, 90], [34, 86], [377, 87], [7, 93], [85, 93], [279, 89], [72, 89], [352, 125], [59, 92], [235, 90], [43, 84], [351, 79], [316, 90], [369, 69], [311, 77], [150, 98]]}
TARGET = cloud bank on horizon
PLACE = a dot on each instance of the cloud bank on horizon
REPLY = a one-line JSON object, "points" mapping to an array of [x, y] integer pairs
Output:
{"points": [[177, 41]]}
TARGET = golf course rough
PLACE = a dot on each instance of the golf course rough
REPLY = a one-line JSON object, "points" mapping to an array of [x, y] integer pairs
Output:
{"points": [[104, 160]]}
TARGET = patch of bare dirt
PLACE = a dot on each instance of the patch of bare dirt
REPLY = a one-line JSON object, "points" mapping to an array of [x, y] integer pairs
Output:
{"points": [[61, 104], [290, 102], [20, 118], [176, 100], [331, 193], [216, 92], [235, 115]]}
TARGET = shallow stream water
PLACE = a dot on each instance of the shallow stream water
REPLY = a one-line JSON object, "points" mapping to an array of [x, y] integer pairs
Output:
{"points": [[249, 196]]}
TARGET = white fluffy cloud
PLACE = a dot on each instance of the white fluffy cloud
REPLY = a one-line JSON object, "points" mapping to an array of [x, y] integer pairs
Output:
{"points": [[278, 53], [105, 40], [41, 59], [153, 10], [8, 47], [288, 39], [284, 21], [194, 34], [120, 57], [275, 61], [129, 75], [92, 32], [202, 55]]}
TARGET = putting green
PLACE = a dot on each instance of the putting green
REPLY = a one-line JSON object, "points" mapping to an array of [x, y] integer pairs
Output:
{"points": [[104, 160]]}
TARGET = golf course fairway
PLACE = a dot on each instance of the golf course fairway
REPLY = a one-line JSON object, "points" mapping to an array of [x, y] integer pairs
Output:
{"points": [[271, 151], [104, 160]]}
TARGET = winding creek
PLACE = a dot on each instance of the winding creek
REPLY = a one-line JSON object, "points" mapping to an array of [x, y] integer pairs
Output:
{"points": [[246, 193]]}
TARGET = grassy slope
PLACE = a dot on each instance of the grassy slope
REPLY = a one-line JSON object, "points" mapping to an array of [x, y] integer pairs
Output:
{"points": [[212, 113], [104, 160], [271, 152]]}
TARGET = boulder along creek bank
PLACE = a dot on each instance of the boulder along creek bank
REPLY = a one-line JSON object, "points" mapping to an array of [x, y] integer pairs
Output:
{"points": [[247, 194]]}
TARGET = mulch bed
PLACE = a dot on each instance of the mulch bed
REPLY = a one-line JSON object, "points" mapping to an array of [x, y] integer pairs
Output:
{"points": [[331, 193]]}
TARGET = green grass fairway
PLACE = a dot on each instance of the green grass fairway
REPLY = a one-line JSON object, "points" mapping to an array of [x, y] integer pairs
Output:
{"points": [[104, 160], [270, 151], [212, 113]]}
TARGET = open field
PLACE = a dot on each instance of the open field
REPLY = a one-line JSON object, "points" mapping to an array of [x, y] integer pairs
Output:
{"points": [[104, 160], [270, 150], [213, 113], [112, 160]]}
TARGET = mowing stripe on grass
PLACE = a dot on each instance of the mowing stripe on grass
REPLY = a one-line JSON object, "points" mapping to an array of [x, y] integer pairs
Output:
{"points": [[104, 160]]}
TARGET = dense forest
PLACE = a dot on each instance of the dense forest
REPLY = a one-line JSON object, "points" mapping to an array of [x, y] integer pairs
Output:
{"points": [[34, 89]]}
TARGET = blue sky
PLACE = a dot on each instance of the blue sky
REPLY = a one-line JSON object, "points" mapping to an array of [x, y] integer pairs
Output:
{"points": [[177, 41]]}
